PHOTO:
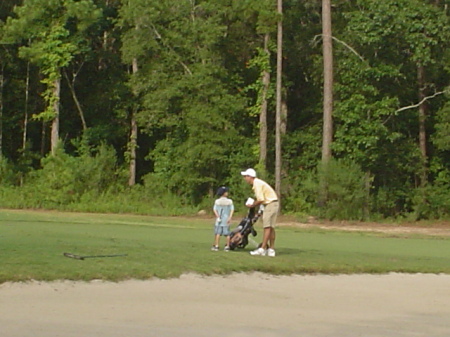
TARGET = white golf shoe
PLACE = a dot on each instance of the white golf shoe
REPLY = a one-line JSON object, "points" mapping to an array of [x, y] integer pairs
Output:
{"points": [[271, 252], [258, 252]]}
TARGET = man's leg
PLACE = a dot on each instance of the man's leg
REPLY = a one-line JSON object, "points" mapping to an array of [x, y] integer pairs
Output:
{"points": [[271, 212], [266, 237], [272, 238]]}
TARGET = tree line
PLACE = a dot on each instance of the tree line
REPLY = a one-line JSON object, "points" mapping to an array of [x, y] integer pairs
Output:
{"points": [[342, 105]]}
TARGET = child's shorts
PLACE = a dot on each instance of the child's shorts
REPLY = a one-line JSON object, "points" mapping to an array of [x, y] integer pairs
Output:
{"points": [[222, 230]]}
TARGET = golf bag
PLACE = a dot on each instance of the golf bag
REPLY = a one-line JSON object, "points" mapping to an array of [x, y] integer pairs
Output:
{"points": [[239, 235]]}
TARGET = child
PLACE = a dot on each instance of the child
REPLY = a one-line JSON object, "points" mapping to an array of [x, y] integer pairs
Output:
{"points": [[223, 209]]}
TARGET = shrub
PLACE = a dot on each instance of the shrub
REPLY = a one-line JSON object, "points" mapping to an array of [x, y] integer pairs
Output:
{"points": [[63, 179], [7, 174], [432, 202], [346, 196]]}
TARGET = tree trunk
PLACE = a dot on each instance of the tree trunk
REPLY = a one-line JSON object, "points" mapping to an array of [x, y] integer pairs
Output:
{"points": [[367, 188], [43, 138], [278, 163], [422, 129], [25, 115], [327, 136], [327, 81], [102, 64], [55, 121], [263, 114], [283, 130], [71, 84], [133, 137], [25, 120], [284, 115]]}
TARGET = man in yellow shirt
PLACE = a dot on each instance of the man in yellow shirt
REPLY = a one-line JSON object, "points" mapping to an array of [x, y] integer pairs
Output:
{"points": [[266, 196]]}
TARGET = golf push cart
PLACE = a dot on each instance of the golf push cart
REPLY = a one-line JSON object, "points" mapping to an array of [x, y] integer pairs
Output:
{"points": [[240, 235]]}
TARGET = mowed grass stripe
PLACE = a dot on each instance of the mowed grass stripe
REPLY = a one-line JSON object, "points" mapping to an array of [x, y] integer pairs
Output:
{"points": [[32, 246], [10, 217]]}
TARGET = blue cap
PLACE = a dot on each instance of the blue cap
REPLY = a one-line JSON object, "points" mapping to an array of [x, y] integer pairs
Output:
{"points": [[221, 191]]}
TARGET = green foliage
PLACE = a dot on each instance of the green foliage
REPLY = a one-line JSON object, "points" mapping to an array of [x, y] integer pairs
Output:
{"points": [[389, 202], [347, 196], [432, 201], [442, 136], [63, 179], [261, 63], [52, 41], [197, 93], [392, 38], [134, 200], [186, 100], [7, 174], [414, 29]]}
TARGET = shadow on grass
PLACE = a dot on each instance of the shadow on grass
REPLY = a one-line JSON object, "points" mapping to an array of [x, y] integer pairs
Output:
{"points": [[281, 251]]}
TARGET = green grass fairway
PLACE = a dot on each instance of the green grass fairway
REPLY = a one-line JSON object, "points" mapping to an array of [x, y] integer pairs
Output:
{"points": [[32, 246]]}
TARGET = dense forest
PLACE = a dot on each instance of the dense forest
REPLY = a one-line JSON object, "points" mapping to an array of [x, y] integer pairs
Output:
{"points": [[143, 106]]}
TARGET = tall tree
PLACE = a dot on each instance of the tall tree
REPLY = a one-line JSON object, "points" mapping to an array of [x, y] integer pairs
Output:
{"points": [[186, 104], [327, 81], [133, 134], [378, 72], [279, 101], [421, 83], [54, 31], [327, 130], [264, 107], [261, 18]]}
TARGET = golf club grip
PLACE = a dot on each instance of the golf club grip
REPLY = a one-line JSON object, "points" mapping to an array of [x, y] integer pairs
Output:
{"points": [[73, 256]]}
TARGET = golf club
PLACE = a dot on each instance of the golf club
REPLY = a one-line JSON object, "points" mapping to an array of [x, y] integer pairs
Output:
{"points": [[80, 257]]}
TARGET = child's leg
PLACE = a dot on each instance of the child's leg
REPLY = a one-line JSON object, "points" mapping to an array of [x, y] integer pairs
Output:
{"points": [[228, 240], [216, 240]]}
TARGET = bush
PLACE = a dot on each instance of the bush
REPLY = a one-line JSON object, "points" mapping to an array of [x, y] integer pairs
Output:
{"points": [[63, 179], [391, 202], [432, 202], [345, 198], [135, 200], [8, 176]]}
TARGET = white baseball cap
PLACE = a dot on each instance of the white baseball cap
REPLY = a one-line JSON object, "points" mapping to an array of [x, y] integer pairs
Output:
{"points": [[249, 172]]}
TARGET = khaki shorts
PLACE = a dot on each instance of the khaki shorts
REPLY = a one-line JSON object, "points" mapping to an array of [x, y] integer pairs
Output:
{"points": [[270, 214]]}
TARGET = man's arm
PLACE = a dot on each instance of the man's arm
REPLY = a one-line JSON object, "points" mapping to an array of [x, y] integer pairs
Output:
{"points": [[255, 203]]}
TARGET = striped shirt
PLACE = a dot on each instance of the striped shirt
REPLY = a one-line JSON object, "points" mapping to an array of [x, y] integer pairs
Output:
{"points": [[225, 208]]}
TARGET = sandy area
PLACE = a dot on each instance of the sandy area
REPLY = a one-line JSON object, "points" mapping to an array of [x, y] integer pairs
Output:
{"points": [[238, 305], [441, 229]]}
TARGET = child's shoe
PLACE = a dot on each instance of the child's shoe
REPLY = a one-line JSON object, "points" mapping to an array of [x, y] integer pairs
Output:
{"points": [[227, 248], [215, 248]]}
